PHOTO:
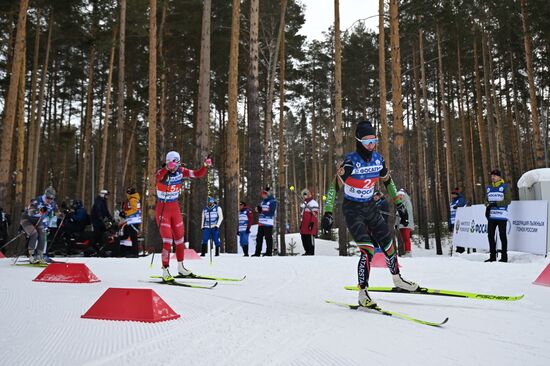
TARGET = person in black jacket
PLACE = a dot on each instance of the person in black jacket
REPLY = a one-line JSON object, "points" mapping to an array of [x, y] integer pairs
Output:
{"points": [[100, 212]]}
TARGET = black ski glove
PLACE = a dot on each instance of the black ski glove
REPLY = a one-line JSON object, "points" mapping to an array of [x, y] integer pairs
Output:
{"points": [[403, 214], [310, 226]]}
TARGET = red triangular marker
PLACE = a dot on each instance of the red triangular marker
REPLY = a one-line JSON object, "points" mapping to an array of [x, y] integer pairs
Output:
{"points": [[544, 278], [131, 304], [67, 273]]}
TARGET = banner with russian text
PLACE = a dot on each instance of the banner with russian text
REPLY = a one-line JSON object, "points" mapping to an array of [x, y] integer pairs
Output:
{"points": [[526, 228]]}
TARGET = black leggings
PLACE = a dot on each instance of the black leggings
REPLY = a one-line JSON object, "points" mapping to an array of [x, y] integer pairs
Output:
{"points": [[491, 231], [266, 231], [307, 242], [368, 229]]}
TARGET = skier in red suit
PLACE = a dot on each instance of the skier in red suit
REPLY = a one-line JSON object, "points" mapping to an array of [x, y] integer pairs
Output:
{"points": [[169, 182]]}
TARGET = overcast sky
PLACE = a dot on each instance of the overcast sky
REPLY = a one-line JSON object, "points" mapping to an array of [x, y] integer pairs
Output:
{"points": [[320, 15]]}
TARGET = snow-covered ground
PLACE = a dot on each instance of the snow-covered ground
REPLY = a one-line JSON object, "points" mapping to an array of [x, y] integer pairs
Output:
{"points": [[277, 315]]}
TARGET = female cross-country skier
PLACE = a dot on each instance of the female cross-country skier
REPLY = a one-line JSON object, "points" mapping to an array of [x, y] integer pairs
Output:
{"points": [[357, 176], [169, 182]]}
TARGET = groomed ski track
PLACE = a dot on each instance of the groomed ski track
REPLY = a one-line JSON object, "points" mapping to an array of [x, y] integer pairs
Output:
{"points": [[277, 315]]}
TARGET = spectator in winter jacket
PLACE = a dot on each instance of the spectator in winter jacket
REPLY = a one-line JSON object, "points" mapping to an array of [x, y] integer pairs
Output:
{"points": [[245, 222], [497, 200], [310, 222], [405, 230], [266, 210], [212, 217], [100, 212], [76, 218], [457, 200], [131, 212]]}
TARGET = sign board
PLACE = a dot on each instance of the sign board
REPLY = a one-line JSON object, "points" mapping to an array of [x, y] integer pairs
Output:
{"points": [[526, 228]]}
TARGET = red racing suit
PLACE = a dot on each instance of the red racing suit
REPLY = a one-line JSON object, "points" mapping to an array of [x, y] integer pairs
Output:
{"points": [[169, 217]]}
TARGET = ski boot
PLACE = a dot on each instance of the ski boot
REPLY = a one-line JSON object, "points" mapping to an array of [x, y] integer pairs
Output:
{"points": [[166, 276], [184, 272], [399, 282], [365, 300], [41, 259], [32, 259]]}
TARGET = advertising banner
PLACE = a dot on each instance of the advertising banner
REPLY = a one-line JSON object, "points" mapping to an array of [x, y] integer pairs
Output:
{"points": [[526, 228]]}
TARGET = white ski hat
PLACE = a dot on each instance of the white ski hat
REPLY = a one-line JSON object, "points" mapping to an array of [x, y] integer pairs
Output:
{"points": [[173, 156]]}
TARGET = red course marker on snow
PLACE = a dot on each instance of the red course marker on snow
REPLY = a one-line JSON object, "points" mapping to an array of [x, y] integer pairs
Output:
{"points": [[379, 261], [544, 278], [67, 273], [2, 255], [188, 254], [131, 304]]}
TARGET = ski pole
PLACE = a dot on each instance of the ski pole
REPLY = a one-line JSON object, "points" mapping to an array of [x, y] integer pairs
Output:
{"points": [[12, 240]]}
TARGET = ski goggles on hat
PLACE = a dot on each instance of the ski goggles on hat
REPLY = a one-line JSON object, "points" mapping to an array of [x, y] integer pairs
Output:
{"points": [[367, 142]]}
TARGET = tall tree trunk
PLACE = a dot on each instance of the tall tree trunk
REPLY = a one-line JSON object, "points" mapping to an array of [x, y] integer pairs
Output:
{"points": [[254, 177], [539, 150], [38, 123], [87, 146], [19, 164], [488, 81], [446, 119], [342, 232], [315, 161], [397, 106], [421, 156], [512, 115], [10, 108], [282, 211], [466, 142], [384, 141], [471, 124], [503, 162], [32, 137], [268, 139], [479, 115], [107, 118], [118, 189], [433, 208], [161, 149], [232, 133], [202, 126], [152, 119], [436, 147]]}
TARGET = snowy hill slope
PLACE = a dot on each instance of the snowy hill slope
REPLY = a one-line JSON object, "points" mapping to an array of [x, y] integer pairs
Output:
{"points": [[277, 315]]}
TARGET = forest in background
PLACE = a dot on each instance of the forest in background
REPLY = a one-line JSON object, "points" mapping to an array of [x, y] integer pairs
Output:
{"points": [[93, 93]]}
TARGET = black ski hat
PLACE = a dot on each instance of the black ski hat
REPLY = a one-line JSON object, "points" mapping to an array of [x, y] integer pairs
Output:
{"points": [[364, 128]]}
